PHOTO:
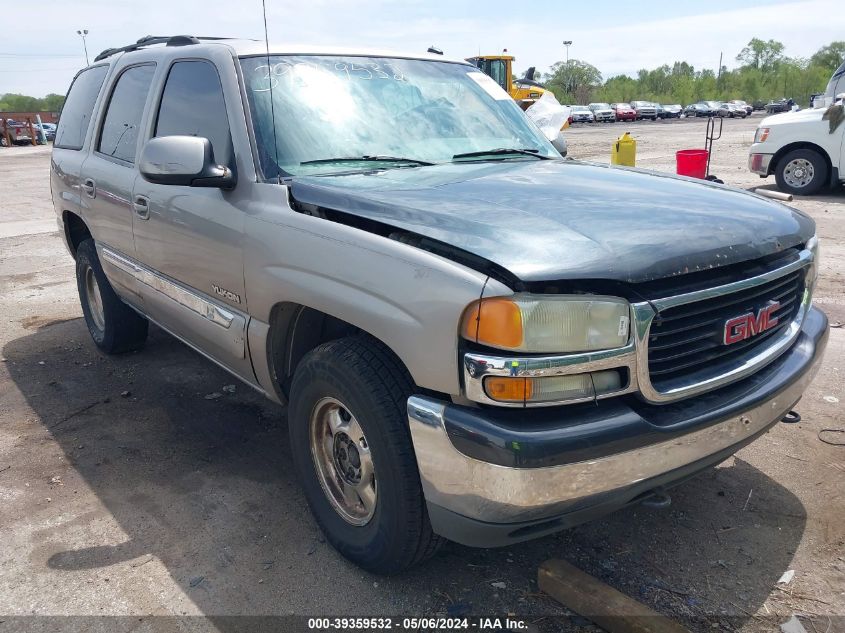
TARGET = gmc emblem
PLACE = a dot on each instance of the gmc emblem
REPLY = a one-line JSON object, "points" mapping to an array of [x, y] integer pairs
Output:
{"points": [[742, 327]]}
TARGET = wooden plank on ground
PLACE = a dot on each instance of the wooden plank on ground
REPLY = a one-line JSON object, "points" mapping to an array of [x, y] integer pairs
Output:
{"points": [[589, 597]]}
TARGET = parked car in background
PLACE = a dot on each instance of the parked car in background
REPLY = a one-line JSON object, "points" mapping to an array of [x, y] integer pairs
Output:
{"points": [[740, 102], [624, 111], [778, 105], [582, 114], [735, 111], [48, 128], [719, 108], [701, 108], [602, 112], [800, 151], [18, 131], [672, 111], [758, 105], [645, 110]]}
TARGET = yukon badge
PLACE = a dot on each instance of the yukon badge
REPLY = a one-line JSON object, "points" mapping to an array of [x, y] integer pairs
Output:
{"points": [[226, 294], [742, 327]]}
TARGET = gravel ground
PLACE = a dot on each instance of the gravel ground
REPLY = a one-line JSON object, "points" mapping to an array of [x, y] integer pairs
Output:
{"points": [[125, 492]]}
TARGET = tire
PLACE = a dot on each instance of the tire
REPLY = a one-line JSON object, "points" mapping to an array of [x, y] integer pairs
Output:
{"points": [[801, 172], [114, 326], [361, 376]]}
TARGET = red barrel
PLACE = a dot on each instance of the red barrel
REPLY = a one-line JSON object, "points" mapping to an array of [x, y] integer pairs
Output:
{"points": [[691, 162]]}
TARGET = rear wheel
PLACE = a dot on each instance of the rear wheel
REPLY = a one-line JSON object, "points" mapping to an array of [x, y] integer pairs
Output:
{"points": [[352, 450], [113, 325], [801, 172]]}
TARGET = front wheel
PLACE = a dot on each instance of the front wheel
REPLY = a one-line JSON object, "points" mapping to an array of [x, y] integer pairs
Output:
{"points": [[348, 428], [113, 325], [801, 172]]}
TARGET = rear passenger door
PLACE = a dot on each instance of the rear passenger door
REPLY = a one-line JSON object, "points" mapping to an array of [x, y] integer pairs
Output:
{"points": [[69, 145], [191, 237], [108, 176]]}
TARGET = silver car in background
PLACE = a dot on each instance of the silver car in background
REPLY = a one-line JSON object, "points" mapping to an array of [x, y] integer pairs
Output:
{"points": [[645, 110], [603, 112], [582, 114]]}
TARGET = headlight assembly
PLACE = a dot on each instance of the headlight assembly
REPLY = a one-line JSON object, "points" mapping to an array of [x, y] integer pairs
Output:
{"points": [[548, 323], [761, 134]]}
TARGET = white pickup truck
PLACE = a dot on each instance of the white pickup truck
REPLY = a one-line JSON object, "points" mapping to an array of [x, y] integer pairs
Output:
{"points": [[801, 150], [804, 150]]}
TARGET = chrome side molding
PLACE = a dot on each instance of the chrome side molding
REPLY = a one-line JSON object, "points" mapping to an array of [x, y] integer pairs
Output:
{"points": [[174, 291]]}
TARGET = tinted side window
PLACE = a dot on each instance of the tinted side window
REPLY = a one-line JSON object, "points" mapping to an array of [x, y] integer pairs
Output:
{"points": [[192, 105], [79, 105], [119, 137]]}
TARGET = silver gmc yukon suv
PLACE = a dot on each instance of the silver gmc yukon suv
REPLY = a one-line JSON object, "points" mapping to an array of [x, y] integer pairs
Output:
{"points": [[477, 340]]}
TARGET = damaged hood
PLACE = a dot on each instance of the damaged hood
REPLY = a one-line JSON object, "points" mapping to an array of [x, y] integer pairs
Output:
{"points": [[554, 219]]}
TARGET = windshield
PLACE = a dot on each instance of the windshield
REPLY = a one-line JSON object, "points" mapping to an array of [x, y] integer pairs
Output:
{"points": [[309, 110], [600, 106], [626, 106]]}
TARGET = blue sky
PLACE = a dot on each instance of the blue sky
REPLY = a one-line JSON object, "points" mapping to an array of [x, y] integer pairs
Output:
{"points": [[617, 37]]}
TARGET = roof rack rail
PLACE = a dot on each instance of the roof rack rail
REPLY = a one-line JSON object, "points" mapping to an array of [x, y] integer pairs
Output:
{"points": [[149, 40]]}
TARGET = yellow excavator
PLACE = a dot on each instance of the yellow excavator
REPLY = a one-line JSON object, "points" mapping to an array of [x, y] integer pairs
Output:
{"points": [[524, 91]]}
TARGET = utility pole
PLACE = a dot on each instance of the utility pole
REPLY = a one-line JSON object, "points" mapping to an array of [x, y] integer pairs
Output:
{"points": [[567, 44], [719, 74], [83, 34]]}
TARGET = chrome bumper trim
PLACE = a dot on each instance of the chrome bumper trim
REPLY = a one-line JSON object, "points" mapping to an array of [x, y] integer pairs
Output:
{"points": [[498, 494], [634, 356], [763, 168]]}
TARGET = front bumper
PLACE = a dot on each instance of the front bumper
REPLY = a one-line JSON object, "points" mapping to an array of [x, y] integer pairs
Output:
{"points": [[493, 477], [759, 163]]}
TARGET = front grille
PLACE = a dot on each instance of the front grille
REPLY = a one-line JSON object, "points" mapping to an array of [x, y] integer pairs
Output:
{"points": [[688, 338]]}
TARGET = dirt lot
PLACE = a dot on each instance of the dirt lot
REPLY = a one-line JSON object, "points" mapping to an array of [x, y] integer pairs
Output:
{"points": [[125, 491]]}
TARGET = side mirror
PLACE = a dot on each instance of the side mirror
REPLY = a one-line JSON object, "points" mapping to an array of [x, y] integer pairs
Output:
{"points": [[184, 160]]}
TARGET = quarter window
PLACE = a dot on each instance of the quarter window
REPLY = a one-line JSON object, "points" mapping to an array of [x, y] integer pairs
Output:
{"points": [[119, 137], [192, 105], [78, 108]]}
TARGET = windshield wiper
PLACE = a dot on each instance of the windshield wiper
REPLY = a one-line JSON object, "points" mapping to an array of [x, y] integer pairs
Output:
{"points": [[503, 151], [365, 158]]}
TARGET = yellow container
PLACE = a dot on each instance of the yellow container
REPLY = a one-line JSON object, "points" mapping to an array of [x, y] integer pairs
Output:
{"points": [[624, 151]]}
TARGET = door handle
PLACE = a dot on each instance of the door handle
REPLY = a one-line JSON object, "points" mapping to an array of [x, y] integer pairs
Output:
{"points": [[90, 187], [141, 205]]}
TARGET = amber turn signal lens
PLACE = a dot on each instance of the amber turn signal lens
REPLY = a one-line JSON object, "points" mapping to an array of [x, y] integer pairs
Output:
{"points": [[496, 322], [509, 389]]}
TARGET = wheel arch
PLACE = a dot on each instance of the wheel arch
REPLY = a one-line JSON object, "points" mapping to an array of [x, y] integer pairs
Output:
{"points": [[783, 151], [75, 231], [294, 330]]}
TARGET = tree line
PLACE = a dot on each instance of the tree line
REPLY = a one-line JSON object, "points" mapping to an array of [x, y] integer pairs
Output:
{"points": [[765, 73], [23, 103]]}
